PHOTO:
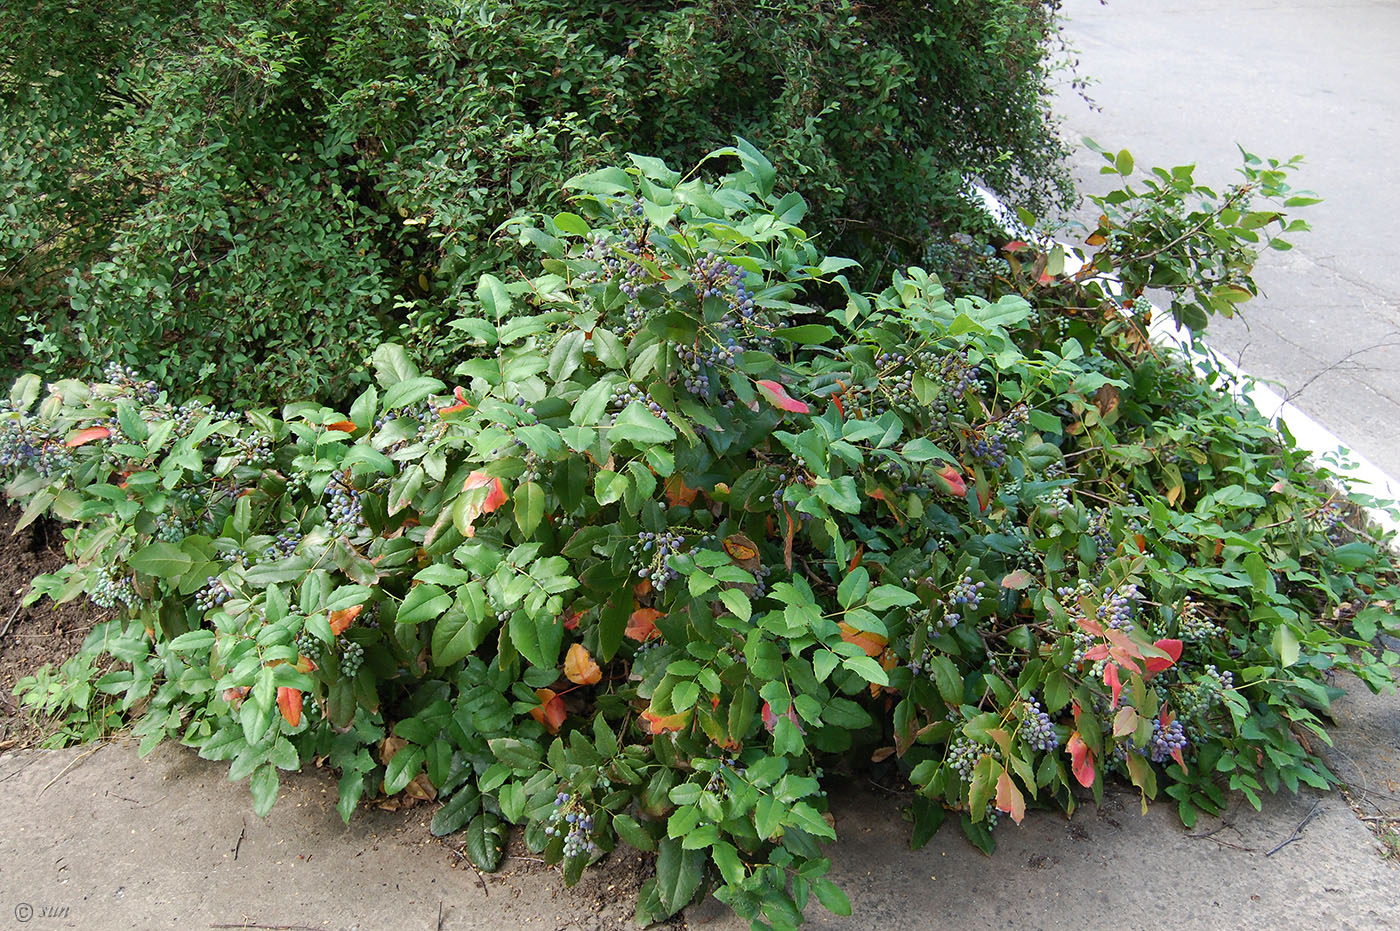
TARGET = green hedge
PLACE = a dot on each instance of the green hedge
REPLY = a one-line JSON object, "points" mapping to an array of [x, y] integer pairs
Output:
{"points": [[245, 198], [679, 542]]}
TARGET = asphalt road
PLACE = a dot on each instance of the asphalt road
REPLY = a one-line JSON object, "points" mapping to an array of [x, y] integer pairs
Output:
{"points": [[1184, 82]]}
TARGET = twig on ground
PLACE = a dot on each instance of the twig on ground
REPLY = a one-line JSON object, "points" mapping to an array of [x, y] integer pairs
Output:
{"points": [[248, 924], [468, 861], [1312, 813], [13, 614], [239, 843], [76, 760], [439, 924]]}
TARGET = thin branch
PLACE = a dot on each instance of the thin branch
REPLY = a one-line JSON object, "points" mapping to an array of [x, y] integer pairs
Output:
{"points": [[1312, 813]]}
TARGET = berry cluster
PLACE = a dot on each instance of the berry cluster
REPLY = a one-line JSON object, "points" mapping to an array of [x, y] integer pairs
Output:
{"points": [[24, 444], [309, 645], [990, 444], [282, 545], [966, 596], [1192, 624], [170, 527], [108, 589], [963, 754], [628, 393], [576, 825], [129, 379], [214, 594], [344, 510], [1166, 740], [1103, 538], [1116, 609], [252, 448], [352, 657], [796, 474], [1038, 729], [653, 552]]}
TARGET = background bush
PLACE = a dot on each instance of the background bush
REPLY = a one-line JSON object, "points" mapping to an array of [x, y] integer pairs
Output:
{"points": [[243, 198], [682, 539]]}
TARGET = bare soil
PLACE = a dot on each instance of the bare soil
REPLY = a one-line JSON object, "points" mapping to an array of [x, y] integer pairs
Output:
{"points": [[40, 634]]}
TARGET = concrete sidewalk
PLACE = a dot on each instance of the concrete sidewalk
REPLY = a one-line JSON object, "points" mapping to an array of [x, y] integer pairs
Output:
{"points": [[122, 843], [1183, 81]]}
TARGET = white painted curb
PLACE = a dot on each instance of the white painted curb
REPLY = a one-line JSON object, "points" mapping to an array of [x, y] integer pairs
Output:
{"points": [[1325, 449]]}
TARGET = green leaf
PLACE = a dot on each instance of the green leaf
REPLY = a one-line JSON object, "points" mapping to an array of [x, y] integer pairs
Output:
{"points": [[830, 896], [162, 560], [410, 391], [571, 223], [888, 596], [194, 640], [807, 334], [403, 767], [460, 809], [529, 507], [423, 603], [630, 831], [867, 669], [603, 181], [486, 838], [737, 602], [494, 297], [679, 873], [640, 426], [1285, 645], [517, 754], [263, 785]]}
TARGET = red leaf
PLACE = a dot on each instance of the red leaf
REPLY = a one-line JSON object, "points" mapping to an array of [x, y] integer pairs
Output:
{"points": [[1110, 679], [571, 620], [1009, 798], [1018, 580], [953, 479], [87, 436], [775, 395], [1156, 664], [344, 426], [461, 405], [677, 493], [289, 701], [494, 498], [1014, 245], [1081, 760], [550, 711], [770, 720]]}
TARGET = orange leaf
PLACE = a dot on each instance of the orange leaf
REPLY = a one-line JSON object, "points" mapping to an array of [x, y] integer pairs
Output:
{"points": [[494, 498], [1009, 798], [235, 695], [289, 701], [341, 620], [677, 493], [872, 644], [87, 436], [571, 620], [550, 711], [1081, 760], [1095, 239], [641, 626], [777, 396], [579, 667], [739, 547], [955, 485], [344, 426], [305, 665], [661, 723]]}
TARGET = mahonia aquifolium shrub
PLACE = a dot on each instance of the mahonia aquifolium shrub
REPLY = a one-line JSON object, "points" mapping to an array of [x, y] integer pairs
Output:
{"points": [[674, 543], [244, 199]]}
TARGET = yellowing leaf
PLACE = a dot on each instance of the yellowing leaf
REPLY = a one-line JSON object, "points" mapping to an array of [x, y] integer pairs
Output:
{"points": [[579, 667]]}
